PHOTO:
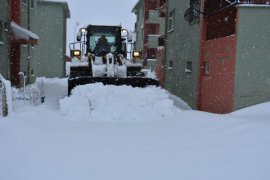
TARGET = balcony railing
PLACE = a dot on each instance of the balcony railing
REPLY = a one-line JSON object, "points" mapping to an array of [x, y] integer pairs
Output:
{"points": [[153, 17], [254, 2], [213, 7], [152, 40]]}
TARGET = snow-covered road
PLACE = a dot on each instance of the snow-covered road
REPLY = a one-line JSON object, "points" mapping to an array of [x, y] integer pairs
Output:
{"points": [[97, 134]]}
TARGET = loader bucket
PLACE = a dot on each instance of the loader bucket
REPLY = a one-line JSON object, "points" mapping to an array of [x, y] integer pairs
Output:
{"points": [[128, 81]]}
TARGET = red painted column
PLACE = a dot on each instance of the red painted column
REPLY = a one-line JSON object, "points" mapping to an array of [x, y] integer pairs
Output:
{"points": [[216, 86], [15, 50]]}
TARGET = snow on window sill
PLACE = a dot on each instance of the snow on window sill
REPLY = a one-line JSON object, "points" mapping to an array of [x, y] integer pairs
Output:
{"points": [[171, 30], [187, 70]]}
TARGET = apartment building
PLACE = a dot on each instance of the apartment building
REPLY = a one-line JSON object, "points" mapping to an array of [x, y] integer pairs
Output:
{"points": [[32, 39], [217, 53], [150, 31], [4, 38]]}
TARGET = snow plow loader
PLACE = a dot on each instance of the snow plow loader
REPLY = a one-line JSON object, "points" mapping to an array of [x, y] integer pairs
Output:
{"points": [[100, 55]]}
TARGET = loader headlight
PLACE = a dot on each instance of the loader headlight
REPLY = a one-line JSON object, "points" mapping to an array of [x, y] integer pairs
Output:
{"points": [[136, 54], [124, 32], [83, 30], [76, 53]]}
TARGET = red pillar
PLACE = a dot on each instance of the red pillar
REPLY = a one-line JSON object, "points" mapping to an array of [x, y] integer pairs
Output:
{"points": [[15, 51], [216, 86]]}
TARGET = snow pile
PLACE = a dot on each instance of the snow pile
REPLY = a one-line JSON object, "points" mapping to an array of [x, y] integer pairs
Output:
{"points": [[117, 103], [32, 94]]}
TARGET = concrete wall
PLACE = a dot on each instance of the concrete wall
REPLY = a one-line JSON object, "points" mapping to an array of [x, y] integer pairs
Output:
{"points": [[182, 46], [50, 25], [252, 76], [4, 41]]}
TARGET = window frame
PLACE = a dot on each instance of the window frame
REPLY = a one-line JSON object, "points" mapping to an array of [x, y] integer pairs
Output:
{"points": [[171, 21], [170, 65], [1, 31], [188, 68], [6, 26], [32, 4]]}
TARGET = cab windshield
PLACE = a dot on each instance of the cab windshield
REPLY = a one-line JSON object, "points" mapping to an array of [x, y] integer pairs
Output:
{"points": [[94, 38]]}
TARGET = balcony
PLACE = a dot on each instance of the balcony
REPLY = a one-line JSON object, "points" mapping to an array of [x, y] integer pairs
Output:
{"points": [[153, 40], [153, 17], [212, 7]]}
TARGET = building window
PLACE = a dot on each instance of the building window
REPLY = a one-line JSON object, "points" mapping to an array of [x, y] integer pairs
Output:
{"points": [[24, 2], [171, 21], [188, 68], [6, 26], [170, 65], [32, 4], [1, 31]]}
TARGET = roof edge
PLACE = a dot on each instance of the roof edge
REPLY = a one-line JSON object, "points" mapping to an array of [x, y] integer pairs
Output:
{"points": [[64, 3], [134, 9]]}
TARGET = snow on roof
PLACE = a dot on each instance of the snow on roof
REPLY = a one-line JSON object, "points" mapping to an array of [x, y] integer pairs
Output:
{"points": [[22, 33]]}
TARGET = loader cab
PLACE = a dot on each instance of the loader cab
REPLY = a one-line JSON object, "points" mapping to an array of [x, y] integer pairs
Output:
{"points": [[113, 37]]}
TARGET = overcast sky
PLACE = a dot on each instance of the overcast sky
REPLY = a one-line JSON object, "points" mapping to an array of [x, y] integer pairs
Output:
{"points": [[102, 12]]}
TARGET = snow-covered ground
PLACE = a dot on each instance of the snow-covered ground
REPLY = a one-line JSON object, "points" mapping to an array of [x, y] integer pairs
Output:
{"points": [[123, 133]]}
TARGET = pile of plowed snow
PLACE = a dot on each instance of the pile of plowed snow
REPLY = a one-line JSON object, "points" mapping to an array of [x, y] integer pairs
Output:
{"points": [[118, 103]]}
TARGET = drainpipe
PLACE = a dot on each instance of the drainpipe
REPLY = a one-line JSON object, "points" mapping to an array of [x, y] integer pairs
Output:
{"points": [[29, 46]]}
